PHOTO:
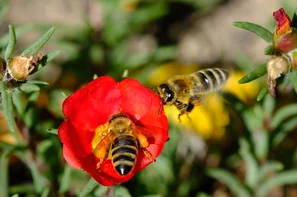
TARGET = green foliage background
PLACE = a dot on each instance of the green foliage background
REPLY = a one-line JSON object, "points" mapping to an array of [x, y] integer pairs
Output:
{"points": [[256, 157]]}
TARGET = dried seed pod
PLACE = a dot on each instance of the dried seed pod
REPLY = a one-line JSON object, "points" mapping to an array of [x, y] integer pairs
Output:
{"points": [[20, 67], [277, 66]]}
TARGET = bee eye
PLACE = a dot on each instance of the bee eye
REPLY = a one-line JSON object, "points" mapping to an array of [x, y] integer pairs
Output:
{"points": [[169, 95]]}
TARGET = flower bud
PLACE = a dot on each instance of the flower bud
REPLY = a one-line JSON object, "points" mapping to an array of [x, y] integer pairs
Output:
{"points": [[20, 67], [285, 42], [277, 66]]}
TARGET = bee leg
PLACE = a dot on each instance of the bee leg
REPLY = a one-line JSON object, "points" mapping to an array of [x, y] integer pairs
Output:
{"points": [[179, 117], [182, 107], [148, 154], [143, 143]]}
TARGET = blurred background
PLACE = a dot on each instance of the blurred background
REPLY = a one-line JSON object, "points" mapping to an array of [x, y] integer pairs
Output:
{"points": [[231, 145]]}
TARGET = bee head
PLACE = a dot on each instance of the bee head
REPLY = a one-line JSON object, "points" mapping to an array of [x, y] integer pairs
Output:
{"points": [[119, 122], [165, 93]]}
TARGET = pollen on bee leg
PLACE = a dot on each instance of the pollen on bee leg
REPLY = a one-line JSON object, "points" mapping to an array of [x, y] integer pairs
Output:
{"points": [[100, 152], [142, 140], [100, 132]]}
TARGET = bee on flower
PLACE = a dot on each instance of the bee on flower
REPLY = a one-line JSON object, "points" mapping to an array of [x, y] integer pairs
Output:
{"points": [[112, 130]]}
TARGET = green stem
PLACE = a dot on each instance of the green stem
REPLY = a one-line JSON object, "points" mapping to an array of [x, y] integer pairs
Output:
{"points": [[65, 180], [4, 174], [26, 157], [89, 187]]}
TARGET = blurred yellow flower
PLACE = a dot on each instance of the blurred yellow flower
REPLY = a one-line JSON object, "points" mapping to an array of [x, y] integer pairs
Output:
{"points": [[6, 135], [244, 92]]}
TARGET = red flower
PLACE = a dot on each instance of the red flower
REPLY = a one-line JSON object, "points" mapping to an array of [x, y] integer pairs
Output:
{"points": [[88, 111], [283, 21], [284, 36]]}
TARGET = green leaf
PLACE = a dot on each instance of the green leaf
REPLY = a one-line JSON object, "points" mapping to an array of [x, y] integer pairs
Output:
{"points": [[15, 195], [3, 9], [270, 167], [257, 29], [152, 195], [237, 104], [36, 175], [4, 40], [294, 19], [8, 110], [4, 145], [101, 190], [256, 73], [251, 178], [37, 45], [284, 130], [165, 53], [268, 106], [269, 50], [23, 188], [11, 44], [121, 191], [38, 83], [66, 179], [261, 144], [282, 114], [28, 88], [280, 179], [230, 180], [19, 102], [45, 192], [45, 60], [53, 131], [89, 187], [30, 117], [33, 97], [263, 92], [293, 79]]}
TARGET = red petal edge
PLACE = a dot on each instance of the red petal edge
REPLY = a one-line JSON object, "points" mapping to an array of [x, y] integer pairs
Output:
{"points": [[71, 158]]}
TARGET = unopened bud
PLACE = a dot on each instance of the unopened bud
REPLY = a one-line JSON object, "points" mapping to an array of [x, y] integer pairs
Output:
{"points": [[20, 67], [277, 66]]}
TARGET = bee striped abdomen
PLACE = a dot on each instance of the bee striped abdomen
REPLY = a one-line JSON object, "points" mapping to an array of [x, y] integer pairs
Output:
{"points": [[209, 80], [124, 152]]}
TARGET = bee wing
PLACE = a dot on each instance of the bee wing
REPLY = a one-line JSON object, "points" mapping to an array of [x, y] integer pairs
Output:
{"points": [[154, 135]]}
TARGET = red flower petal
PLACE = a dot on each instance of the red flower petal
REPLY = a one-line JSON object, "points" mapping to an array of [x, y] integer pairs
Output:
{"points": [[283, 21], [92, 105], [71, 158], [79, 142], [136, 100]]}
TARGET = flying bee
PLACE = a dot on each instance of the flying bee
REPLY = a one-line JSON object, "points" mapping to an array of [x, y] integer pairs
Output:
{"points": [[186, 91], [120, 140]]}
